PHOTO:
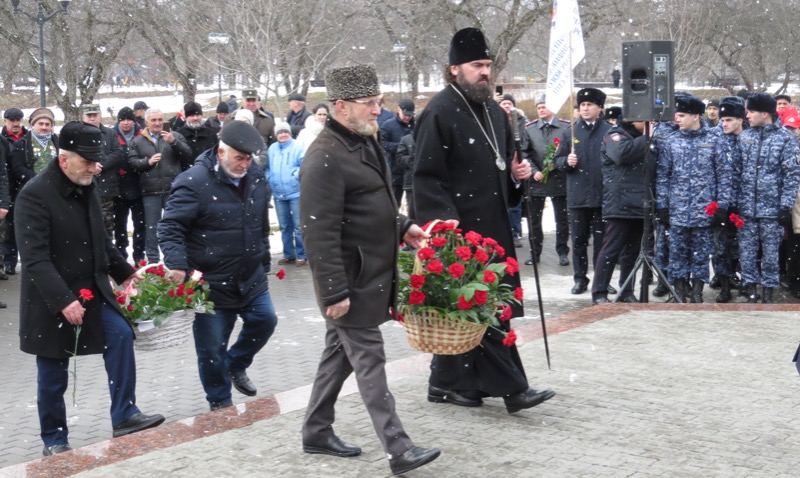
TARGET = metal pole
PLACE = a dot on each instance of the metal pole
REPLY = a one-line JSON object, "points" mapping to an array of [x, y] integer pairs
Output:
{"points": [[40, 19], [400, 72], [219, 74]]}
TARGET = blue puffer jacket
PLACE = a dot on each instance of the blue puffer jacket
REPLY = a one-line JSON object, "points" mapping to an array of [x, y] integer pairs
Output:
{"points": [[284, 169], [767, 158], [211, 226], [693, 170]]}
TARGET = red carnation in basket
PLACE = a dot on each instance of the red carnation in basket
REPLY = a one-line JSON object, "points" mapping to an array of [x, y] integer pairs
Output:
{"points": [[464, 253], [464, 304], [416, 297], [512, 266], [426, 253], [439, 241], [510, 339], [489, 277], [519, 293], [435, 266], [456, 270], [417, 281], [481, 255], [480, 297]]}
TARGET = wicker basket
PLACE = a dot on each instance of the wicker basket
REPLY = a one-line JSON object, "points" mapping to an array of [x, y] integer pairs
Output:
{"points": [[430, 332], [175, 330]]}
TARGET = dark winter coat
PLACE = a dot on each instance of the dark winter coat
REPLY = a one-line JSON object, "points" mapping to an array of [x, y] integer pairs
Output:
{"points": [[390, 134], [693, 170], [211, 226], [405, 158], [265, 124], [624, 184], [114, 158], [63, 249], [351, 227], [455, 176], [5, 191], [23, 160], [297, 121], [585, 181], [540, 135], [129, 188], [767, 158], [199, 139], [175, 158]]}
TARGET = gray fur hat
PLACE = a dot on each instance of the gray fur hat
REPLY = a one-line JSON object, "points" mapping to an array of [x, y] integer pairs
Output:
{"points": [[352, 82]]}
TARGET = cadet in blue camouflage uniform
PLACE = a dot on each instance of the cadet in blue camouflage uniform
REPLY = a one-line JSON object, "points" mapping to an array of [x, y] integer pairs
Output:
{"points": [[661, 132], [767, 157], [726, 254], [692, 171]]}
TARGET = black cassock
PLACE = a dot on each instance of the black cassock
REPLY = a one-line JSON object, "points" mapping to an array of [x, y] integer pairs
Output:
{"points": [[456, 177]]}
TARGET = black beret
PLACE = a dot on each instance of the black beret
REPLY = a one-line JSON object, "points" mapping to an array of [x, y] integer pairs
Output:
{"points": [[613, 112], [192, 108], [222, 107], [13, 113], [468, 45], [732, 106], [82, 138], [242, 137], [763, 103], [140, 105], [592, 95], [126, 113], [296, 96], [689, 104]]}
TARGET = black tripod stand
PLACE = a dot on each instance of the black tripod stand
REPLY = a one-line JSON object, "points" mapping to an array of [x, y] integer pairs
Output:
{"points": [[647, 249]]}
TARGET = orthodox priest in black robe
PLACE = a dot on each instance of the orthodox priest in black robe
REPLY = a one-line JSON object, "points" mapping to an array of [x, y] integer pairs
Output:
{"points": [[465, 171]]}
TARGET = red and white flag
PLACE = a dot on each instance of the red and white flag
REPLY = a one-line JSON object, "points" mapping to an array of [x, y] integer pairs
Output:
{"points": [[566, 51]]}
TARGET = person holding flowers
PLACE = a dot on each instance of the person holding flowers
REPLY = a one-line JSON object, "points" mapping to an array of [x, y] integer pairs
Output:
{"points": [[216, 221], [67, 259], [466, 173]]}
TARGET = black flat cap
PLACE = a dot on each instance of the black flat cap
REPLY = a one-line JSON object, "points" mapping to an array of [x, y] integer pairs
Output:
{"points": [[406, 106], [83, 139], [242, 137], [140, 105], [296, 96], [13, 114], [192, 108]]}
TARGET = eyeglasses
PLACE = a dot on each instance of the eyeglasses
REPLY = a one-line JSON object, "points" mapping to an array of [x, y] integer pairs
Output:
{"points": [[369, 103]]}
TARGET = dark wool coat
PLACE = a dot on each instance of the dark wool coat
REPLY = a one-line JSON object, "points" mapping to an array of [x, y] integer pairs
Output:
{"points": [[63, 249], [351, 228], [210, 226], [455, 175], [540, 135], [624, 183], [297, 121], [129, 188], [391, 132], [175, 158], [585, 181], [199, 139], [114, 157]]}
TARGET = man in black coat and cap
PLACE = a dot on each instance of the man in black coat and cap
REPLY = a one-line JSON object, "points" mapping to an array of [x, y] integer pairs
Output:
{"points": [[465, 173], [65, 253], [197, 133]]}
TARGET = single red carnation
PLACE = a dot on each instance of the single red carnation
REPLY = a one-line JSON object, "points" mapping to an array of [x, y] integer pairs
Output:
{"points": [[86, 294], [180, 292], [171, 292], [417, 281], [448, 226], [130, 307], [188, 300], [464, 253], [489, 243], [480, 297], [518, 293], [142, 263], [481, 255], [189, 291], [280, 275], [506, 314], [556, 141], [416, 297], [473, 238], [500, 250], [122, 172], [463, 304], [512, 266], [121, 300], [435, 266], [425, 253], [456, 270], [510, 339], [489, 277], [711, 209], [439, 241]]}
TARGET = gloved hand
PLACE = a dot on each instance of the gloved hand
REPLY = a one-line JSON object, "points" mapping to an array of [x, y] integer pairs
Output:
{"points": [[720, 217], [662, 216], [785, 217]]}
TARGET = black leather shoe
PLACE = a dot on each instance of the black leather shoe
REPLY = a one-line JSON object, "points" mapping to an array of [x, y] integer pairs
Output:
{"points": [[440, 395], [661, 290], [242, 383], [413, 458], [56, 449], [10, 270], [628, 299], [579, 287], [600, 300], [219, 405], [612, 290], [137, 423], [332, 445], [527, 399], [563, 260]]}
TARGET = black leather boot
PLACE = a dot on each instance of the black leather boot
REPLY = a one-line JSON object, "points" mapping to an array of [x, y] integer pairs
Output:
{"points": [[768, 296], [749, 292], [697, 291], [661, 289], [725, 295], [716, 282], [680, 290]]}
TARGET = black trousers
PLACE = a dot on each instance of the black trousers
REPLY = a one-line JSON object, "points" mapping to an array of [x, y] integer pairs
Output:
{"points": [[585, 222], [622, 242], [562, 223], [136, 208]]}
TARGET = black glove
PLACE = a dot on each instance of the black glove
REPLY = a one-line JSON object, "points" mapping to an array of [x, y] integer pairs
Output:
{"points": [[720, 217], [662, 216], [785, 217]]}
